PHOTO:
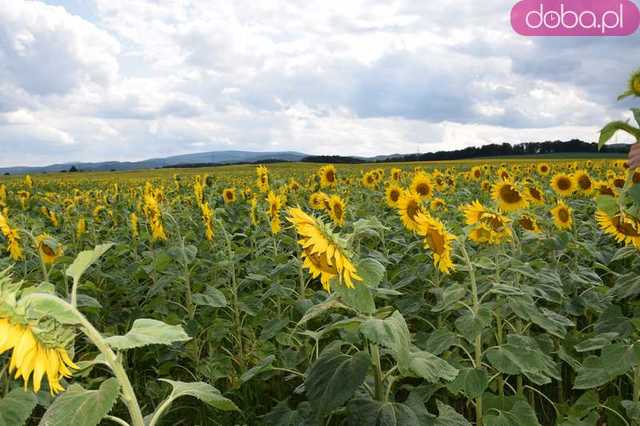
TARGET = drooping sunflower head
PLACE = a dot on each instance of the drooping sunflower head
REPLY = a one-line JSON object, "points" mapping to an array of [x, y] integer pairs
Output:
{"points": [[488, 226], [536, 196], [409, 205], [422, 186], [49, 248], [337, 209], [328, 176], [603, 187], [437, 239], [325, 254], [229, 195], [562, 216], [508, 197], [473, 212], [563, 184], [393, 194], [622, 226]]}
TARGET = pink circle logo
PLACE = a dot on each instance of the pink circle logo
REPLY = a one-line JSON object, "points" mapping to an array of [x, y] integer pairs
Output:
{"points": [[575, 17]]}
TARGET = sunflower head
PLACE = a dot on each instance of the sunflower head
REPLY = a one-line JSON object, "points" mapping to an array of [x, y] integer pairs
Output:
{"points": [[325, 254], [409, 205], [438, 204], [562, 216], [49, 248], [508, 197], [583, 182], [229, 195], [634, 83], [437, 239], [563, 184], [529, 223], [328, 176], [337, 209], [543, 169], [422, 185], [318, 200], [392, 194], [624, 227]]}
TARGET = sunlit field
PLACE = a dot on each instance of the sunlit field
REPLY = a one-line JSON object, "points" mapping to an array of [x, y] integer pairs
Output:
{"points": [[496, 292]]}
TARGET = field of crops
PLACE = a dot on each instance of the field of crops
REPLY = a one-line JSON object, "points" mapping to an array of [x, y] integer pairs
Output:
{"points": [[485, 292]]}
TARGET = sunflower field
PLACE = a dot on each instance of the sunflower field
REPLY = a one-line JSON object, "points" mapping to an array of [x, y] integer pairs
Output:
{"points": [[485, 292]]}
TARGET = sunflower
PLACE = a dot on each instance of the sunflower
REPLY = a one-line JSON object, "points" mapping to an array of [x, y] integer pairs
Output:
{"points": [[396, 174], [487, 226], [634, 86], [393, 194], [49, 248], [337, 209], [508, 197], [563, 184], [543, 169], [535, 195], [503, 173], [622, 226], [81, 227], [438, 204], [618, 181], [421, 185], [583, 181], [605, 188], [409, 205], [328, 176], [562, 216], [370, 179], [529, 223], [324, 253], [133, 224], [437, 239], [207, 220], [486, 185], [13, 239], [262, 180], [154, 217], [229, 195], [317, 200], [475, 173]]}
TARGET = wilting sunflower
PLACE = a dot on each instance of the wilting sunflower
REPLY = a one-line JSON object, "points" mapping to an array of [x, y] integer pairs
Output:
{"points": [[31, 355], [529, 223], [563, 184], [318, 200], [337, 208], [325, 254], [229, 195], [603, 187], [508, 197], [622, 226], [13, 238], [583, 182], [393, 194], [488, 226], [328, 176], [543, 169], [562, 216], [437, 239], [422, 186], [275, 203], [49, 248], [409, 205], [262, 179]]}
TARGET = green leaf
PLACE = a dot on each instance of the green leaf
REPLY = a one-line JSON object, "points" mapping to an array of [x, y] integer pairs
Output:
{"points": [[440, 340], [43, 305], [447, 416], [211, 297], [615, 360], [148, 332], [80, 407], [359, 297], [608, 204], [334, 378], [261, 367], [371, 271], [282, 415], [521, 414], [476, 382], [16, 407], [636, 114], [430, 367], [471, 325], [367, 412], [609, 130], [202, 391], [391, 333], [522, 355], [597, 342], [321, 308], [86, 259], [448, 297]]}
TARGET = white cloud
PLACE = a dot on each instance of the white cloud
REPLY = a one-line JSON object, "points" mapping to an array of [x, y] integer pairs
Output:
{"points": [[148, 78]]}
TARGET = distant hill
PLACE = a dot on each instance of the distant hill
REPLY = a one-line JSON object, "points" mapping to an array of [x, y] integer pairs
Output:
{"points": [[214, 157]]}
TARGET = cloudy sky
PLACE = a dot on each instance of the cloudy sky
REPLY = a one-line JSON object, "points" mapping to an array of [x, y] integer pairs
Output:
{"points": [[93, 80]]}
